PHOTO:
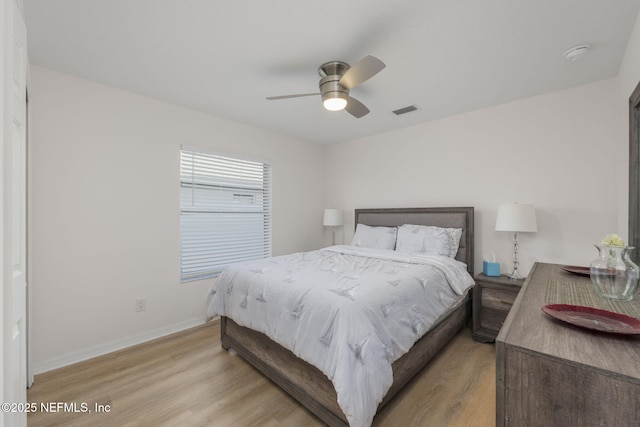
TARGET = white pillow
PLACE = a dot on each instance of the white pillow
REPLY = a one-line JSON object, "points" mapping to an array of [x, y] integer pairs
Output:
{"points": [[374, 237], [423, 239]]}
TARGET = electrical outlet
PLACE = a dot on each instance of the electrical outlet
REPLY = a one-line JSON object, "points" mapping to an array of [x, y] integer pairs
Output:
{"points": [[141, 305]]}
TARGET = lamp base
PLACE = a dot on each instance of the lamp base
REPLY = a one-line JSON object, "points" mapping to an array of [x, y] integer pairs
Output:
{"points": [[515, 275]]}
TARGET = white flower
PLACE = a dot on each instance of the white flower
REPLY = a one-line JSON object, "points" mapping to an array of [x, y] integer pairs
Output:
{"points": [[613, 240]]}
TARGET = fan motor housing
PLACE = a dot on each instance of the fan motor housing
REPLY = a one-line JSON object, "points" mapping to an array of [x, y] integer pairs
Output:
{"points": [[333, 68], [331, 73], [330, 87]]}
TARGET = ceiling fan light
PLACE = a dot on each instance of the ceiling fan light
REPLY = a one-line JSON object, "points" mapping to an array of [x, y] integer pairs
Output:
{"points": [[335, 102]]}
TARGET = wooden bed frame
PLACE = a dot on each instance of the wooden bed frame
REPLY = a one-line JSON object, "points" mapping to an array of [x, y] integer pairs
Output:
{"points": [[308, 384]]}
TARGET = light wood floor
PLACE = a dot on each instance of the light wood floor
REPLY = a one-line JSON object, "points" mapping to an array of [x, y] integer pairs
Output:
{"points": [[187, 379]]}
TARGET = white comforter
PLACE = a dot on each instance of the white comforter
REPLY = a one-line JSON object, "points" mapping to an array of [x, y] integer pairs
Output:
{"points": [[347, 310]]}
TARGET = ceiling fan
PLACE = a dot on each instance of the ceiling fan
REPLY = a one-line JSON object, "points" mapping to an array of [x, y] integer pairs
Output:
{"points": [[338, 78]]}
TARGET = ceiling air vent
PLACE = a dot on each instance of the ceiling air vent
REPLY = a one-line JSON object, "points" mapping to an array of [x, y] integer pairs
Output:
{"points": [[405, 110]]}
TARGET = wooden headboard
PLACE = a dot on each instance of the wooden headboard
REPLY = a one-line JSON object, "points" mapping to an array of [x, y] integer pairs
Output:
{"points": [[455, 217]]}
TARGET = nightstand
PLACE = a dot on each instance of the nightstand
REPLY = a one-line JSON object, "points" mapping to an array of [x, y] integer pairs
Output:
{"points": [[492, 300]]}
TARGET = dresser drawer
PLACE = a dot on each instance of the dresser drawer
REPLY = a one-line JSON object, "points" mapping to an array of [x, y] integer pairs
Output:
{"points": [[498, 299]]}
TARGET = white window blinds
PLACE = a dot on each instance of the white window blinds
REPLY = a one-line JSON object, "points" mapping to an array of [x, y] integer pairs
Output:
{"points": [[225, 212]]}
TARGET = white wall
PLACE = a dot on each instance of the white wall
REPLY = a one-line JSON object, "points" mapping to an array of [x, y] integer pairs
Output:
{"points": [[566, 152], [104, 197], [630, 68], [555, 151], [628, 79]]}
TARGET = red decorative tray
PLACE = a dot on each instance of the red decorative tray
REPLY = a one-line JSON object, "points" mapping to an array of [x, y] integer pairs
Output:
{"points": [[594, 318], [576, 269]]}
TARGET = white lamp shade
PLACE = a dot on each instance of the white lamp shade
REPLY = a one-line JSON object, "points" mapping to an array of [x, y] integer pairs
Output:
{"points": [[516, 217], [332, 217]]}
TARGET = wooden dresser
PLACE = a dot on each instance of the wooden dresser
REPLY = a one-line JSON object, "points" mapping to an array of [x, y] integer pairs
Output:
{"points": [[550, 373]]}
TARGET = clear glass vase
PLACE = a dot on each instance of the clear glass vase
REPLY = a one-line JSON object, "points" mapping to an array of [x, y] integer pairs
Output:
{"points": [[613, 274]]}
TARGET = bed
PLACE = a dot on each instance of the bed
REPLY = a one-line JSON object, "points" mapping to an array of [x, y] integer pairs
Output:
{"points": [[307, 383]]}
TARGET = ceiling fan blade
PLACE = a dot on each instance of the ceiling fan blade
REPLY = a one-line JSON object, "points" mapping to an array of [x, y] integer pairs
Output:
{"points": [[272, 98], [356, 108], [361, 71]]}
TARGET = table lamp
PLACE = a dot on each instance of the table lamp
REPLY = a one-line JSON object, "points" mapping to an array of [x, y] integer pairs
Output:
{"points": [[332, 218], [519, 218]]}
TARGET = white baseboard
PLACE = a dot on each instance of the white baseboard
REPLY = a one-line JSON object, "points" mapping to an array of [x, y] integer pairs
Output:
{"points": [[109, 347]]}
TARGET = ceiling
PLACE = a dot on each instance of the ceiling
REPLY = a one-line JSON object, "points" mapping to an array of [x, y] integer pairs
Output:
{"points": [[224, 57]]}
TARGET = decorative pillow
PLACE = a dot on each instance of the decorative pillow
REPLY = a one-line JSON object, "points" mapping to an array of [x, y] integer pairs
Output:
{"points": [[423, 239], [455, 234], [375, 237]]}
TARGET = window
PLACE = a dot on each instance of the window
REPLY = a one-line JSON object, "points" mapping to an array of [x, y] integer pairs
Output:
{"points": [[225, 212]]}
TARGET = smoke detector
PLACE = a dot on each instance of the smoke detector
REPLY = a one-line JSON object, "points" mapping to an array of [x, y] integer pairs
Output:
{"points": [[577, 52]]}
